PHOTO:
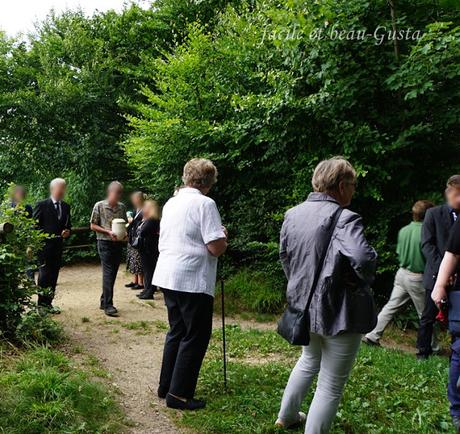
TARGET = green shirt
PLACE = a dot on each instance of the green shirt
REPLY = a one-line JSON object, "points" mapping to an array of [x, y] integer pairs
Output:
{"points": [[409, 248]]}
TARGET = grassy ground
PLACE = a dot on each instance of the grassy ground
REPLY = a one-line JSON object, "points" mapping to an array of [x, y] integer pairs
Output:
{"points": [[388, 392], [41, 392]]}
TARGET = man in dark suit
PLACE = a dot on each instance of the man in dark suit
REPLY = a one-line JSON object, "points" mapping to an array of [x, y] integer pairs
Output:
{"points": [[18, 197], [53, 218], [435, 233]]}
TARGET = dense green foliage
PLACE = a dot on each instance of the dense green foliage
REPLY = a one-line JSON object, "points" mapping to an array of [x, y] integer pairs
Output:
{"points": [[377, 398], [42, 392], [266, 100], [264, 88], [16, 251], [64, 93]]}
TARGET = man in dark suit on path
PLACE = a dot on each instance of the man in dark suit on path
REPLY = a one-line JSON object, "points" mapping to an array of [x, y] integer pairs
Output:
{"points": [[435, 233], [53, 218]]}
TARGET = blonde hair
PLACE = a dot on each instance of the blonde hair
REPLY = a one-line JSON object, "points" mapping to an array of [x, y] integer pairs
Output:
{"points": [[199, 173], [329, 173], [155, 207]]}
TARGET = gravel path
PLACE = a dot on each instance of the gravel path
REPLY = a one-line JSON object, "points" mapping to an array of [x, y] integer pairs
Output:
{"points": [[128, 347]]}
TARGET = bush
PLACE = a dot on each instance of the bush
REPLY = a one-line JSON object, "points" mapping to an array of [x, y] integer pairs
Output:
{"points": [[253, 291], [17, 251], [266, 101], [38, 329]]}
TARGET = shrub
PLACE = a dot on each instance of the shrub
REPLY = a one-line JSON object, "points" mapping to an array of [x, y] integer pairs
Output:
{"points": [[17, 250], [253, 291], [39, 329], [266, 101]]}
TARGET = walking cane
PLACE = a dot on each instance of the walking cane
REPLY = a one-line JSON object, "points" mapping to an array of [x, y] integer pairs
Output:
{"points": [[224, 345]]}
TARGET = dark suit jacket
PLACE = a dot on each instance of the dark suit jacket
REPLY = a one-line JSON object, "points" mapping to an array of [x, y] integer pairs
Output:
{"points": [[47, 217], [435, 233], [133, 226]]}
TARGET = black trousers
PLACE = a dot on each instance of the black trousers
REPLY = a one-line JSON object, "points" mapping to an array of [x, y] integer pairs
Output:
{"points": [[425, 330], [50, 264], [110, 253], [149, 262], [190, 322]]}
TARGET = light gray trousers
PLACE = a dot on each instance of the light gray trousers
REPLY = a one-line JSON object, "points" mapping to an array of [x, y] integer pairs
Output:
{"points": [[407, 286], [331, 357]]}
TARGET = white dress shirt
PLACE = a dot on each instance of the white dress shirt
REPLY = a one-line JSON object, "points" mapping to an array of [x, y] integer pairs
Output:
{"points": [[190, 221]]}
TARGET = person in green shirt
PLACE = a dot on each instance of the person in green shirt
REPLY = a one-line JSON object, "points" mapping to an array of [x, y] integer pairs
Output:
{"points": [[408, 280]]}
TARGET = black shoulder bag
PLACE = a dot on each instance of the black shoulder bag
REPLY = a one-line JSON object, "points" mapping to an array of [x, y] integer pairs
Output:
{"points": [[138, 241], [294, 325]]}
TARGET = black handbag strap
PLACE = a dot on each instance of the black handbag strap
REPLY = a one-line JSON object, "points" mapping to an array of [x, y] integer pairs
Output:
{"points": [[327, 242]]}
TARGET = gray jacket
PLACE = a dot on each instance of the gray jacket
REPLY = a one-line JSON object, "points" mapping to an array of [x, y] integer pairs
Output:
{"points": [[342, 300]]}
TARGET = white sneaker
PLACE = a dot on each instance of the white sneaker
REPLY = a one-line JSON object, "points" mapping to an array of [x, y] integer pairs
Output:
{"points": [[302, 419]]}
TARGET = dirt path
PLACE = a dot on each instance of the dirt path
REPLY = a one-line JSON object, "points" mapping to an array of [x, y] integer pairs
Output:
{"points": [[128, 347]]}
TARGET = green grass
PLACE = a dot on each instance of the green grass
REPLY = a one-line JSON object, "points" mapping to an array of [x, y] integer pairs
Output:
{"points": [[161, 326], [388, 392], [141, 328], [41, 392]]}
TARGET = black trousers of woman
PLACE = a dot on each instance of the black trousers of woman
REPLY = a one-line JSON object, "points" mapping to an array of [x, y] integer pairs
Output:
{"points": [[190, 322], [149, 262]]}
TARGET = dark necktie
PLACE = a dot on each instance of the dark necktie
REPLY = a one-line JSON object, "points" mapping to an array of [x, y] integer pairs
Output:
{"points": [[58, 210]]}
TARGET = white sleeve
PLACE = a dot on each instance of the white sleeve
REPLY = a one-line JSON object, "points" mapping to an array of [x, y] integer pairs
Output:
{"points": [[210, 222]]}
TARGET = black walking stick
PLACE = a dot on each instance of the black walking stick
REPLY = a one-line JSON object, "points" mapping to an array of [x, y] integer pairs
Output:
{"points": [[224, 344]]}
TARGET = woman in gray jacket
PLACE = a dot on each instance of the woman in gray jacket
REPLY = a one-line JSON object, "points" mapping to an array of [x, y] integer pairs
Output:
{"points": [[342, 307]]}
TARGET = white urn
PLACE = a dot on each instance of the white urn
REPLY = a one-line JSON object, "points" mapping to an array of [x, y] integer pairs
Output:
{"points": [[119, 229]]}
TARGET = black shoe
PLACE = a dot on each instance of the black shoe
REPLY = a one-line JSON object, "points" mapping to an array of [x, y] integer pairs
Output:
{"points": [[101, 307], [421, 357], [370, 342], [111, 311], [178, 404], [456, 423], [145, 296], [162, 392], [130, 285], [137, 287]]}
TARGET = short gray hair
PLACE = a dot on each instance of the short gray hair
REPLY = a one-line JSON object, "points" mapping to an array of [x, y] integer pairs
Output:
{"points": [[329, 173], [199, 173], [57, 181], [115, 185]]}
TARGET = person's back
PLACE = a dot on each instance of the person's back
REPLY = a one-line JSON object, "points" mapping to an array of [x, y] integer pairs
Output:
{"points": [[339, 312], [303, 244], [409, 248], [191, 239], [186, 227], [408, 280], [177, 238]]}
